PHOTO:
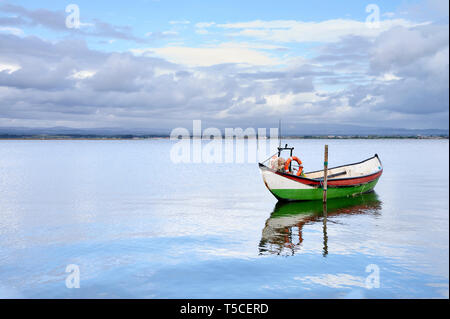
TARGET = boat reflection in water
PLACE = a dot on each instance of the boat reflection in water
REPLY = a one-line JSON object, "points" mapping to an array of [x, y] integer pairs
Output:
{"points": [[282, 234]]}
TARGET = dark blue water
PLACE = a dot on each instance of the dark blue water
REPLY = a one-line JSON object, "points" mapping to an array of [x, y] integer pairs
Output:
{"points": [[138, 226]]}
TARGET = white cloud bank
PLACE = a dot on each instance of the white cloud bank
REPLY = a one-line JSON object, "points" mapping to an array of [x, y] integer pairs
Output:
{"points": [[210, 55], [299, 31]]}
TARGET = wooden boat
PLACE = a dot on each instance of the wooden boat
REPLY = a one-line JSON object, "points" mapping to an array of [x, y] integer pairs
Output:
{"points": [[343, 181]]}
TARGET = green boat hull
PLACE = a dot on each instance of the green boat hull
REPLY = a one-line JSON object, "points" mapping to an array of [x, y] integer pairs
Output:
{"points": [[317, 193]]}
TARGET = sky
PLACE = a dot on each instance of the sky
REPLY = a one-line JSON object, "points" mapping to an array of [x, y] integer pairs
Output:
{"points": [[160, 64]]}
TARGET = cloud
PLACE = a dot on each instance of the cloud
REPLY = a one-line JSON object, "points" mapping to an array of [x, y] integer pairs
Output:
{"points": [[83, 74], [9, 68], [300, 31], [389, 54], [210, 56], [11, 30], [394, 76], [43, 17], [179, 22], [161, 35], [56, 21], [204, 24]]}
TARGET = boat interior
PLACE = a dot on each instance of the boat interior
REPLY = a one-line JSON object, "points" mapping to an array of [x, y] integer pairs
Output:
{"points": [[366, 167]]}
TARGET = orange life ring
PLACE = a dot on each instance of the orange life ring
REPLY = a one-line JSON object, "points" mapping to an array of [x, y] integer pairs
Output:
{"points": [[293, 158]]}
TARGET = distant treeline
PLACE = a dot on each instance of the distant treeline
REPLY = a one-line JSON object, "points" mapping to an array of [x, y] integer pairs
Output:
{"points": [[78, 136]]}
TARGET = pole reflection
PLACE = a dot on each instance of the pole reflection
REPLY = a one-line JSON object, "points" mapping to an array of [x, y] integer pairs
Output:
{"points": [[283, 231], [324, 228]]}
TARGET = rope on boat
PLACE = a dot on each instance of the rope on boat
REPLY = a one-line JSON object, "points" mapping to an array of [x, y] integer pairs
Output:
{"points": [[269, 157]]}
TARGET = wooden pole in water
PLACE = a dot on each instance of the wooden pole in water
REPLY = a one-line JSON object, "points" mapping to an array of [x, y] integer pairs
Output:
{"points": [[325, 173]]}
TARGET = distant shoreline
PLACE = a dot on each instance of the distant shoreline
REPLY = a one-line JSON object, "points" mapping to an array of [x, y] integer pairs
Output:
{"points": [[301, 137]]}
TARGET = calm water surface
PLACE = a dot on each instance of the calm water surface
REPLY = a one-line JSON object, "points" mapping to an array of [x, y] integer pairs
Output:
{"points": [[139, 226]]}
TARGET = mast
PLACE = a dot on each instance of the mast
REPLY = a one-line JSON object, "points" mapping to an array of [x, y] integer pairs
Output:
{"points": [[279, 137], [279, 133]]}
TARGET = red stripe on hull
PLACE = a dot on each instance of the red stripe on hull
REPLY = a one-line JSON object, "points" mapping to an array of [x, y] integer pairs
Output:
{"points": [[302, 180], [354, 181]]}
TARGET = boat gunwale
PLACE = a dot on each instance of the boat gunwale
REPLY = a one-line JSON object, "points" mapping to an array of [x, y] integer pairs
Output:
{"points": [[319, 180], [375, 156]]}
